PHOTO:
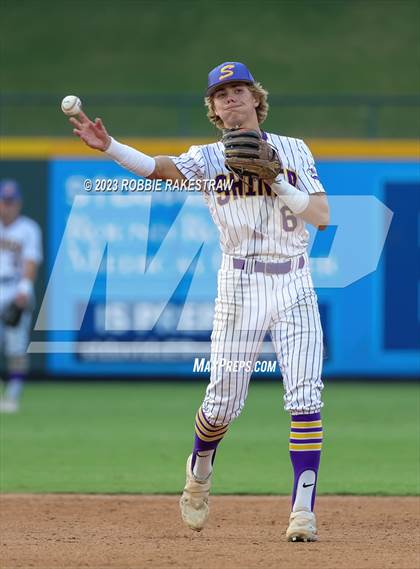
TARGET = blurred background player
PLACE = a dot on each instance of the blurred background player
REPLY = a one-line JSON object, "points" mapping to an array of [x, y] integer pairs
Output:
{"points": [[20, 256]]}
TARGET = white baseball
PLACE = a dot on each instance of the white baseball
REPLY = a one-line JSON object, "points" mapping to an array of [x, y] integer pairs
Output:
{"points": [[71, 105]]}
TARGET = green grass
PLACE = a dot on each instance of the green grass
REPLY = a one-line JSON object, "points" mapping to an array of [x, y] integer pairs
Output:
{"points": [[135, 438], [139, 46]]}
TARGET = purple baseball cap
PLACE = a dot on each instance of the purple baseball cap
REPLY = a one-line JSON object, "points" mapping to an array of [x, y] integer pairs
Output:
{"points": [[228, 72], [9, 190]]}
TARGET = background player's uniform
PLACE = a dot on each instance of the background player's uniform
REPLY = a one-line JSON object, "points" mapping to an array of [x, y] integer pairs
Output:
{"points": [[20, 241]]}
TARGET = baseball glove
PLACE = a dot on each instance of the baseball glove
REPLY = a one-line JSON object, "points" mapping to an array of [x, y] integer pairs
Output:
{"points": [[12, 314], [247, 154]]}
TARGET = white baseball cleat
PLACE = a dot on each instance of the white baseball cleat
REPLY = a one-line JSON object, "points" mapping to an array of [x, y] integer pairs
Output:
{"points": [[194, 500], [302, 527], [8, 406]]}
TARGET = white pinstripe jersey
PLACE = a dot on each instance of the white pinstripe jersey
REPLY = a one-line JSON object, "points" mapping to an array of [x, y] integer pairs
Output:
{"points": [[20, 241], [252, 220]]}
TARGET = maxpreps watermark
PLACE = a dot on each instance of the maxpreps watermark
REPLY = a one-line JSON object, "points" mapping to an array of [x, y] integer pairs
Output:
{"points": [[203, 365], [111, 185]]}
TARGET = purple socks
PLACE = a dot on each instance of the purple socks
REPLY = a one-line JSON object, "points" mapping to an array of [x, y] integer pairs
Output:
{"points": [[305, 453], [304, 446], [14, 386], [207, 437]]}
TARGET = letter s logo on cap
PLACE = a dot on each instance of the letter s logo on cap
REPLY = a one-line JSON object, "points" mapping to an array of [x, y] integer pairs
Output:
{"points": [[226, 71]]}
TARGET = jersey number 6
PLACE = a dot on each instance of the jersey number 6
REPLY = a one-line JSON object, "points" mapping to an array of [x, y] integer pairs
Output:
{"points": [[289, 220]]}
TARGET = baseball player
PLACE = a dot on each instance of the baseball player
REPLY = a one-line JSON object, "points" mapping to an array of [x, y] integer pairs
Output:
{"points": [[270, 188], [20, 256]]}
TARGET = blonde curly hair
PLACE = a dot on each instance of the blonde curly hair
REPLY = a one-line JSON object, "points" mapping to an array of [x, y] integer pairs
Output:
{"points": [[262, 110]]}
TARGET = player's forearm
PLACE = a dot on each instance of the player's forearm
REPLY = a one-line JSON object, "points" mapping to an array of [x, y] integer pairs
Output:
{"points": [[161, 167], [317, 212], [131, 159], [25, 286], [311, 208], [30, 270], [166, 170]]}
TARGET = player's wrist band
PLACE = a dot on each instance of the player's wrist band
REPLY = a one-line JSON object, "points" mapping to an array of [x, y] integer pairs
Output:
{"points": [[130, 158], [294, 199], [25, 286]]}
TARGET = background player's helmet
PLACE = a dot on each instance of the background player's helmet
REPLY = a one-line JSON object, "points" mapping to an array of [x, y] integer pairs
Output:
{"points": [[228, 72], [9, 190]]}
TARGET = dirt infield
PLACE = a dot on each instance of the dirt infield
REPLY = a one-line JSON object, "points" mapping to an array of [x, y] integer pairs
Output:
{"points": [[136, 532]]}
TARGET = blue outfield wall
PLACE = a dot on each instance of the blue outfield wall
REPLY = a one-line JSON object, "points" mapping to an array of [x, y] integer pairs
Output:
{"points": [[153, 257]]}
